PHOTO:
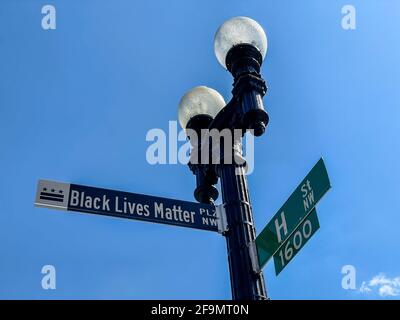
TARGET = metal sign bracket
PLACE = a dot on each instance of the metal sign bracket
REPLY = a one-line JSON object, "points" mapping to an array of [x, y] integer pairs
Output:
{"points": [[222, 222], [254, 257]]}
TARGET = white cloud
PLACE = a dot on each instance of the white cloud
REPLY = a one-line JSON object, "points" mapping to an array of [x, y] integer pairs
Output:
{"points": [[364, 288], [387, 290], [387, 287]]}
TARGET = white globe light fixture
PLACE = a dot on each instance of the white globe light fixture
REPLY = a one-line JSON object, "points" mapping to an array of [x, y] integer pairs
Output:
{"points": [[237, 31], [240, 45], [201, 103], [196, 111]]}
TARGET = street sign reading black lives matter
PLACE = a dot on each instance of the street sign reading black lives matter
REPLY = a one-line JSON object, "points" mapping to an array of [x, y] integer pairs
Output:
{"points": [[73, 197]]}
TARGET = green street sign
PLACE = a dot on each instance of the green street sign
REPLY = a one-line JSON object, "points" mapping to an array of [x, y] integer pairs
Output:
{"points": [[294, 210], [296, 241]]}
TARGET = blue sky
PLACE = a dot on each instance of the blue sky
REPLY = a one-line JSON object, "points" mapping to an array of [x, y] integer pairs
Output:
{"points": [[76, 104]]}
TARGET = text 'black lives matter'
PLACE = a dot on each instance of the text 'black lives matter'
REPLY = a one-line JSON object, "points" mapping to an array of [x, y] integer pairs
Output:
{"points": [[79, 198]]}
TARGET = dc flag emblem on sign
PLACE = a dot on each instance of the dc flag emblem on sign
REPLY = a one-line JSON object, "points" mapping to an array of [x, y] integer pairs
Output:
{"points": [[52, 194]]}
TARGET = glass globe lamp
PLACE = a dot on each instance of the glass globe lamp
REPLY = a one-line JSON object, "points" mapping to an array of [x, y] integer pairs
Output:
{"points": [[201, 104], [239, 31]]}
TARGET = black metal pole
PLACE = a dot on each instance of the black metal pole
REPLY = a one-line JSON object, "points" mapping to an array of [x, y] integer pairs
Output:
{"points": [[247, 281], [244, 112]]}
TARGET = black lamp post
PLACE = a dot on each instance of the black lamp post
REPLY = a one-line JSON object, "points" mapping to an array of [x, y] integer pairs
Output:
{"points": [[240, 46]]}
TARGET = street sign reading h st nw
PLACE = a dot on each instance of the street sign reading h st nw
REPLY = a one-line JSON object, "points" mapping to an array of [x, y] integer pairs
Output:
{"points": [[73, 197], [293, 212], [296, 241]]}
